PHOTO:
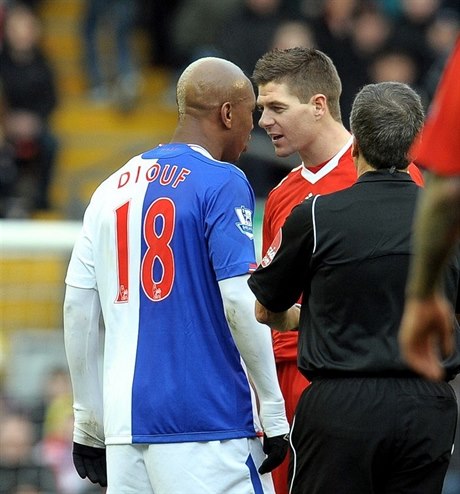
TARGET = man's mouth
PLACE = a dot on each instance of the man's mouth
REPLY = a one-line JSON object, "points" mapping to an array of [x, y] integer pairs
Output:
{"points": [[275, 137]]}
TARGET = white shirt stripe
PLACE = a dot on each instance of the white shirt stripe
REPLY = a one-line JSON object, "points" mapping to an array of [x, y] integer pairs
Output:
{"points": [[307, 174]]}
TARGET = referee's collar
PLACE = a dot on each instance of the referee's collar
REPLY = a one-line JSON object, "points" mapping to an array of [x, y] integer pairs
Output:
{"points": [[385, 174]]}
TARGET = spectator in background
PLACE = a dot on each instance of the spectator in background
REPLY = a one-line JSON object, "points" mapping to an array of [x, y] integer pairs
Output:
{"points": [[29, 94], [56, 391], [51, 418], [248, 34], [334, 26], [411, 31], [441, 37], [20, 464], [196, 28], [108, 27], [371, 31], [56, 446], [395, 62], [398, 65], [8, 169], [56, 433], [355, 32], [32, 4], [156, 19], [333, 29], [2, 19], [292, 33]]}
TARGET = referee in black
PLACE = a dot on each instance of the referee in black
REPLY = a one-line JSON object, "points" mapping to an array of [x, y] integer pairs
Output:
{"points": [[366, 424]]}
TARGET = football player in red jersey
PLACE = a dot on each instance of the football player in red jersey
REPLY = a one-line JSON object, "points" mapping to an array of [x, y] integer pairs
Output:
{"points": [[298, 96]]}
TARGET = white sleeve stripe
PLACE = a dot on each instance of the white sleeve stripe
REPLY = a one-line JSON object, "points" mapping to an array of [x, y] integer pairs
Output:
{"points": [[314, 223]]}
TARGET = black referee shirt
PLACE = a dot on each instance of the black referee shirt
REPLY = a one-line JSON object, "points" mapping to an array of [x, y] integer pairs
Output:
{"points": [[348, 254]]}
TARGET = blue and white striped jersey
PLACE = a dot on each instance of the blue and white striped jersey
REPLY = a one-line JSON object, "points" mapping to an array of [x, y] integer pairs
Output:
{"points": [[157, 237]]}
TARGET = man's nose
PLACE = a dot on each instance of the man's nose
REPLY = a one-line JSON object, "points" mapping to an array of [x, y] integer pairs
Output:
{"points": [[265, 121]]}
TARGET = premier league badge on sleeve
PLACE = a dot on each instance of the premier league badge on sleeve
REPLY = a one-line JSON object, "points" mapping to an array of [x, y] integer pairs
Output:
{"points": [[245, 221]]}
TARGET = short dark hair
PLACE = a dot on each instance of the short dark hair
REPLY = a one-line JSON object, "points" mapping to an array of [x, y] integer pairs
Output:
{"points": [[385, 119], [306, 71]]}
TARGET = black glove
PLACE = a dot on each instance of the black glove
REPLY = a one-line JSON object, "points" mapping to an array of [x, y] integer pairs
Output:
{"points": [[90, 462], [276, 449]]}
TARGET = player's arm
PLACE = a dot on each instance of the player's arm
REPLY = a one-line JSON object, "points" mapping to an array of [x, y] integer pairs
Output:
{"points": [[81, 336], [437, 227], [254, 343], [426, 331]]}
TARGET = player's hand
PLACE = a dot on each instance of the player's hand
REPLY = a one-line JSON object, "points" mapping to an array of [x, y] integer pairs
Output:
{"points": [[426, 335], [90, 462], [276, 449]]}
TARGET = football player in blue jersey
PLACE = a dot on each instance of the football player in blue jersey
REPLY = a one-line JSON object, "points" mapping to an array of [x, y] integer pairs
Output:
{"points": [[188, 400]]}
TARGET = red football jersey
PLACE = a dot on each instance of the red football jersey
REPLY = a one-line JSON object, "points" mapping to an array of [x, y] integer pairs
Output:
{"points": [[438, 147], [336, 174]]}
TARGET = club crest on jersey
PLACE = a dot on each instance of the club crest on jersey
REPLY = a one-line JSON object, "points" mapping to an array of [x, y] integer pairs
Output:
{"points": [[245, 221], [272, 250], [123, 294]]}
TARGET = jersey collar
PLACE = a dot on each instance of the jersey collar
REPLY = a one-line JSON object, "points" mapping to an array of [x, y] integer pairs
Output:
{"points": [[312, 177], [385, 174], [201, 150]]}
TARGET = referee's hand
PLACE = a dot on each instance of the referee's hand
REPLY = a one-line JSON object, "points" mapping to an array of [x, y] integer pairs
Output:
{"points": [[276, 449], [90, 462]]}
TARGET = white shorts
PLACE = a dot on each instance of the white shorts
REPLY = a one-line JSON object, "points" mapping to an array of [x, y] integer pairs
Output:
{"points": [[214, 467]]}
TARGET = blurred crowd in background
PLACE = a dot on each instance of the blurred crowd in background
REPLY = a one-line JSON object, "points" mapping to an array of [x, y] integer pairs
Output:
{"points": [[36, 442], [369, 41]]}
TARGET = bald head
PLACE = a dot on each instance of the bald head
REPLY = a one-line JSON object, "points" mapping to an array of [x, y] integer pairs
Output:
{"points": [[209, 82], [215, 102]]}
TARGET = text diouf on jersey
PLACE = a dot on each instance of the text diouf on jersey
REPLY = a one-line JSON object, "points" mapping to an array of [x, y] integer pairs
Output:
{"points": [[165, 174]]}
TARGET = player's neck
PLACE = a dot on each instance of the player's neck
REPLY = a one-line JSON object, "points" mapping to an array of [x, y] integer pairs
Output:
{"points": [[190, 135], [328, 142]]}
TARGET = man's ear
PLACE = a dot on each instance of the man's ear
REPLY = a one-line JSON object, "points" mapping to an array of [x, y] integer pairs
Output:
{"points": [[226, 114], [319, 101], [355, 148]]}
